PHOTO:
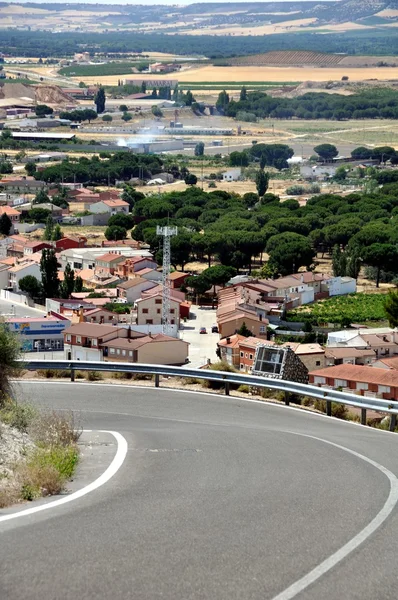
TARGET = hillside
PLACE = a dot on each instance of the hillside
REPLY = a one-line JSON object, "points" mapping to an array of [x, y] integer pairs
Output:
{"points": [[351, 10]]}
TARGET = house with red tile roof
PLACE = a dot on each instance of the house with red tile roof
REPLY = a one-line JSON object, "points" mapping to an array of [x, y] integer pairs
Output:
{"points": [[358, 379], [112, 207]]}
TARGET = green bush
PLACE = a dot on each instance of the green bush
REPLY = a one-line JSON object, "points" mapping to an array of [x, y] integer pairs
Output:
{"points": [[244, 389], [340, 411], [93, 376], [19, 416]]}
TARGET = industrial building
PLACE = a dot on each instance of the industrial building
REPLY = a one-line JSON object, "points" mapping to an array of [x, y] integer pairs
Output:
{"points": [[42, 137], [193, 130]]}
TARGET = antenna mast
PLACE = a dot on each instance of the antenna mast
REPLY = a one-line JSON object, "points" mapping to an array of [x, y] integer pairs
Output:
{"points": [[166, 233]]}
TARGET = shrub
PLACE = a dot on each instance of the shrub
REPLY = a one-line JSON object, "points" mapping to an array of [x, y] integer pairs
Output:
{"points": [[340, 411], [19, 416], [244, 389], [119, 375], [54, 429], [93, 376]]}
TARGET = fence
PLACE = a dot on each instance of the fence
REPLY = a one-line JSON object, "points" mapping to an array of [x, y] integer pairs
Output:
{"points": [[288, 387]]}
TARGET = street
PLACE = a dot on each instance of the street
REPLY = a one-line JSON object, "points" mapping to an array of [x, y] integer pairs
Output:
{"points": [[12, 310], [202, 346]]}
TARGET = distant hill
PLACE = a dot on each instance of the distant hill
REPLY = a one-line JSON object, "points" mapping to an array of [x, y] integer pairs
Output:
{"points": [[351, 10]]}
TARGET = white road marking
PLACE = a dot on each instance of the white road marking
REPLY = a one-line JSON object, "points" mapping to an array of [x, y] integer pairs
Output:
{"points": [[113, 468], [301, 584]]}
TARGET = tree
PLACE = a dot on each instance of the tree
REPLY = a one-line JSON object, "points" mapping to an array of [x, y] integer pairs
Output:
{"points": [[49, 273], [57, 233], [68, 284], [200, 285], [114, 232], [30, 168], [238, 159], [30, 285], [189, 99], [191, 179], [42, 110], [391, 307], [5, 167], [219, 274], [123, 108], [326, 151], [122, 220], [262, 180], [41, 197], [250, 199], [361, 153], [157, 112], [5, 224], [341, 173], [127, 116], [39, 215], [199, 149], [339, 262], [244, 330], [131, 196], [100, 99], [48, 232], [222, 102], [78, 284], [243, 94], [107, 118], [10, 353], [290, 251], [273, 155], [381, 256]]}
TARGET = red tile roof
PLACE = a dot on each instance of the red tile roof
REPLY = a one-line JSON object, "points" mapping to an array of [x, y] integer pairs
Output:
{"points": [[359, 373]]}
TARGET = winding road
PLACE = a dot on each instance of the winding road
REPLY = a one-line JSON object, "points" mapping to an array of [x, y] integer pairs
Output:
{"points": [[217, 499]]}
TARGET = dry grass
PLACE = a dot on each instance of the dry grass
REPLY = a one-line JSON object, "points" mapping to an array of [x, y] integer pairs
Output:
{"points": [[50, 460]]}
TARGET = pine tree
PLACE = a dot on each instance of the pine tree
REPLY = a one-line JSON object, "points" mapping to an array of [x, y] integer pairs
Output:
{"points": [[339, 262], [391, 307], [262, 180], [78, 284], [57, 233], [243, 94], [68, 284]]}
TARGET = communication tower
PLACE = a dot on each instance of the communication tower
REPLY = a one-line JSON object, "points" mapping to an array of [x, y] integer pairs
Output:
{"points": [[166, 233]]}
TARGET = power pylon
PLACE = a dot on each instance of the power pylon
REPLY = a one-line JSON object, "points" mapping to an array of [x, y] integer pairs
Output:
{"points": [[166, 233]]}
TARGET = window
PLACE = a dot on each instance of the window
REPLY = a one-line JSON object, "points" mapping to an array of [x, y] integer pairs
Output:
{"points": [[118, 351], [246, 355], [149, 321], [172, 321], [318, 363], [251, 356], [158, 311], [94, 343], [241, 366], [241, 354], [124, 352], [262, 328], [111, 350], [130, 353], [172, 311], [78, 339], [158, 301], [68, 338], [144, 311]]}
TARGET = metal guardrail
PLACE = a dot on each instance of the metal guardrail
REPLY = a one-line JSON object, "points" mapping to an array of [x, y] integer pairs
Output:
{"points": [[288, 387]]}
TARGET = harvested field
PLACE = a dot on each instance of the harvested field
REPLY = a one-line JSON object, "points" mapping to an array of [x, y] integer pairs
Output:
{"points": [[283, 27], [220, 75]]}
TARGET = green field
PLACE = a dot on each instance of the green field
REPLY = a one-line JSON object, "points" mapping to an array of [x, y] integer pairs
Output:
{"points": [[355, 308], [113, 68]]}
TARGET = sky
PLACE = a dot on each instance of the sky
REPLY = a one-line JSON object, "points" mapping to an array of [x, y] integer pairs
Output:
{"points": [[151, 2]]}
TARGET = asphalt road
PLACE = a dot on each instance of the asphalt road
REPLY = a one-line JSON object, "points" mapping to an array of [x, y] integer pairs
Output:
{"points": [[13, 309], [218, 499]]}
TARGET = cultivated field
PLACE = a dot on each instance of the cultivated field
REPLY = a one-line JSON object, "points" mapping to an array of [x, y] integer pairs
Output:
{"points": [[220, 75]]}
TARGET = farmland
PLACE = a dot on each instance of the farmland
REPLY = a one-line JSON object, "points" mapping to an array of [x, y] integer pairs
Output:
{"points": [[223, 75], [103, 70], [357, 308]]}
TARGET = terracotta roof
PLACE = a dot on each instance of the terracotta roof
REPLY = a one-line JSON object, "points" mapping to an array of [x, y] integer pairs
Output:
{"points": [[307, 349], [348, 352], [21, 267], [126, 285], [253, 342], [359, 373], [114, 203], [377, 340], [92, 330], [10, 260], [110, 257], [10, 211], [234, 341], [177, 275], [391, 363], [145, 271], [133, 344], [93, 311]]}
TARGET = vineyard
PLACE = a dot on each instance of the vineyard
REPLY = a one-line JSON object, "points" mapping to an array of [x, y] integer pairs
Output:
{"points": [[355, 308], [290, 59]]}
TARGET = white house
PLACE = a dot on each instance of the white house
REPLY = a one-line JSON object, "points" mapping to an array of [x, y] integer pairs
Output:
{"points": [[132, 289], [232, 174], [112, 207], [340, 286], [16, 273]]}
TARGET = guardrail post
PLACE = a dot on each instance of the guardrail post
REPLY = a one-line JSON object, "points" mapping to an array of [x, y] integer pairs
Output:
{"points": [[72, 374], [157, 380], [363, 416], [227, 388], [329, 408], [287, 398], [393, 422]]}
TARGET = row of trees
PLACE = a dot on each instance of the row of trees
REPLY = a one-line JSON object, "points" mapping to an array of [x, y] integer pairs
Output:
{"points": [[380, 104], [50, 286]]}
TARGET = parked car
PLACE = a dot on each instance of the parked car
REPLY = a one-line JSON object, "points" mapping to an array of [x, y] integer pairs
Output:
{"points": [[203, 330], [214, 329]]}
